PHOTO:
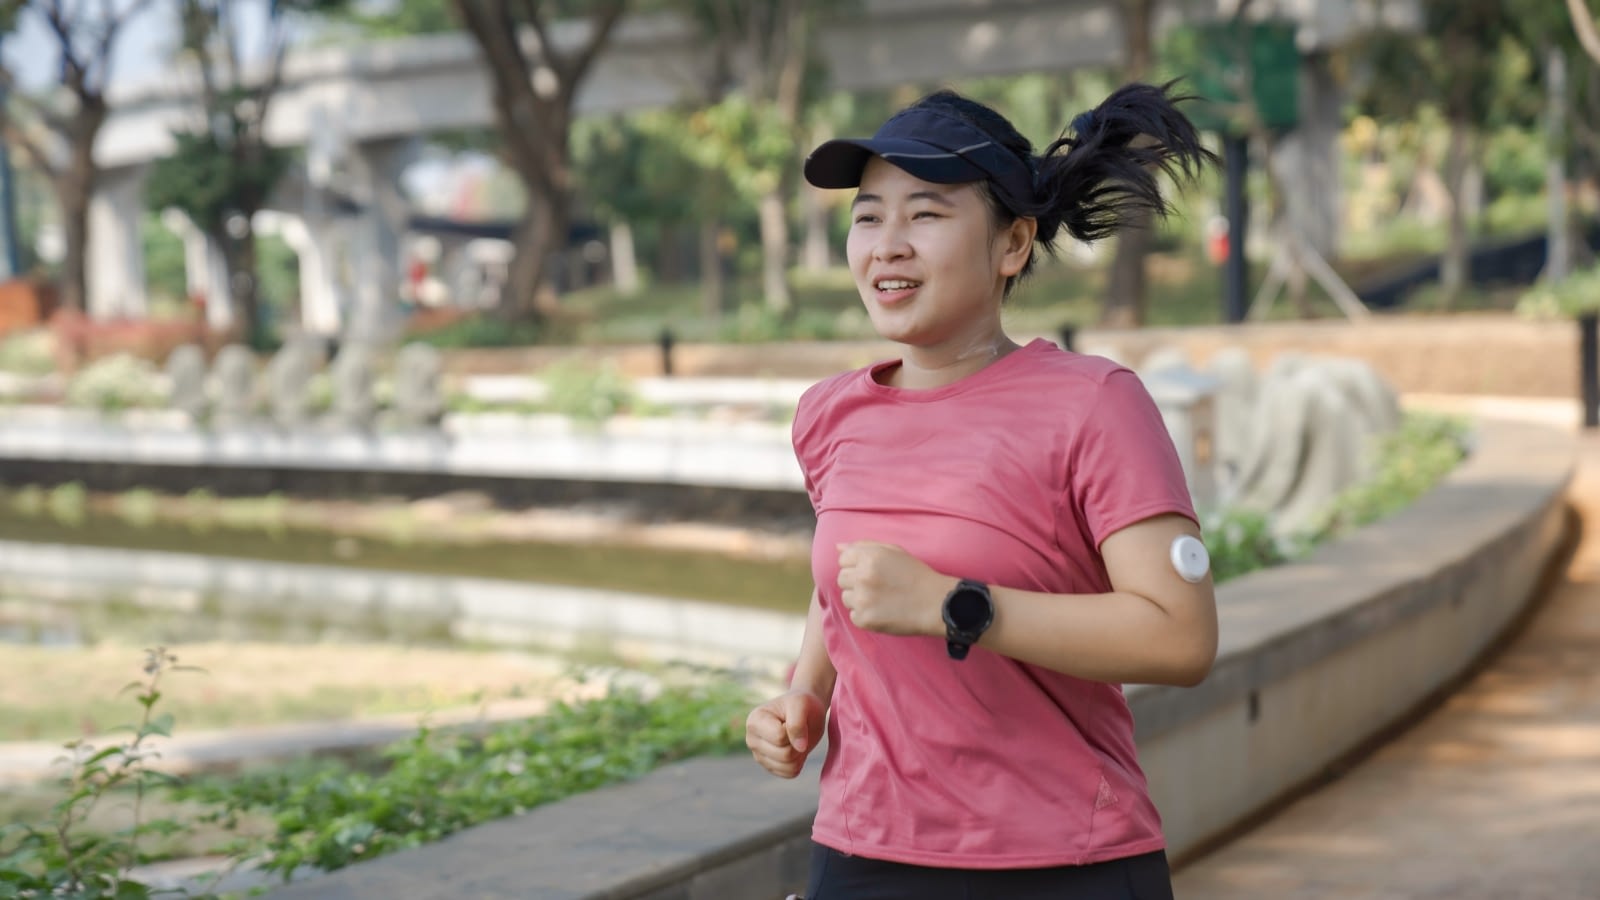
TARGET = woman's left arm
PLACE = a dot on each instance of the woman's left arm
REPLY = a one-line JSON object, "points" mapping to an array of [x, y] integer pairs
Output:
{"points": [[1152, 628]]}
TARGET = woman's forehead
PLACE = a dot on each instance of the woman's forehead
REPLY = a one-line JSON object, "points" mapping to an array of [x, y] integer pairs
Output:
{"points": [[884, 180]]}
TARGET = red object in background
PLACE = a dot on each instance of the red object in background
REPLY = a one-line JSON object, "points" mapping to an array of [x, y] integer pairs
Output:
{"points": [[25, 304], [1217, 248], [1217, 240]]}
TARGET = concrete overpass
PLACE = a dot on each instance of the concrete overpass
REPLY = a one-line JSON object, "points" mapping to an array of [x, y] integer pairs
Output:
{"points": [[359, 110]]}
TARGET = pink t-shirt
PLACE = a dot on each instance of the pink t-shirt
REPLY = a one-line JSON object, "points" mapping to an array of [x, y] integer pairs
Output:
{"points": [[1013, 476]]}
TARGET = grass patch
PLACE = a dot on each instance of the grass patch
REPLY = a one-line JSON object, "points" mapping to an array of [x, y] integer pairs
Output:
{"points": [[55, 693]]}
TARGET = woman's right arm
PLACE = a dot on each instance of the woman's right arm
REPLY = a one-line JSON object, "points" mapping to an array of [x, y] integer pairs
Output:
{"points": [[782, 732]]}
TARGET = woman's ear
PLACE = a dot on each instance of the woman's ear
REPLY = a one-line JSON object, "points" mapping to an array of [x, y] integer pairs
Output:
{"points": [[1017, 245]]}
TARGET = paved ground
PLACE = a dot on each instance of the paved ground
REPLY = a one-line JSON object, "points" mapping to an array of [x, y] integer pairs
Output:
{"points": [[1495, 795]]}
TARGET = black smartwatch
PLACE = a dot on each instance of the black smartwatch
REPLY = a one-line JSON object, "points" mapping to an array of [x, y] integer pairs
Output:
{"points": [[968, 613]]}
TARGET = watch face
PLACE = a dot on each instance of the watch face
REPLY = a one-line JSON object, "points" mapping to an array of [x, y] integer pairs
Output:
{"points": [[969, 610]]}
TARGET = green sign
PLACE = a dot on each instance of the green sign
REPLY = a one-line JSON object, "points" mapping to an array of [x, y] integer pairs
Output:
{"points": [[1226, 56]]}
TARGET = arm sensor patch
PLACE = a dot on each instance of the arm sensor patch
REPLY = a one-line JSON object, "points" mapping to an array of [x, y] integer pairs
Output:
{"points": [[1190, 559]]}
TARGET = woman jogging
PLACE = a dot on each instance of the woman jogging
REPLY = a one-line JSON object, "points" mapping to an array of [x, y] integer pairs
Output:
{"points": [[1004, 535]]}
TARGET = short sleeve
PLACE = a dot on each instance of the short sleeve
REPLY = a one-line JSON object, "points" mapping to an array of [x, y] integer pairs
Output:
{"points": [[1123, 467], [803, 435]]}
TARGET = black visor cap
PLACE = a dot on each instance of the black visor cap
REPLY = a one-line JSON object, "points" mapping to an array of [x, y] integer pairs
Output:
{"points": [[927, 143]]}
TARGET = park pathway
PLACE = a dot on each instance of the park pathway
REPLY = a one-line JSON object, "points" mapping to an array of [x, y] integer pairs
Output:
{"points": [[1494, 795]]}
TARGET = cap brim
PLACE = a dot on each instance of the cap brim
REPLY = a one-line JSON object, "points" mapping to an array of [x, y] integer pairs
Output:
{"points": [[839, 163]]}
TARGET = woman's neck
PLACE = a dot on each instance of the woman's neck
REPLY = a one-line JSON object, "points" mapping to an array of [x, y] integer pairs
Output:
{"points": [[930, 367]]}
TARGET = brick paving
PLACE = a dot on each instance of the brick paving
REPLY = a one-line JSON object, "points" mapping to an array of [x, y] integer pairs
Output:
{"points": [[1495, 794]]}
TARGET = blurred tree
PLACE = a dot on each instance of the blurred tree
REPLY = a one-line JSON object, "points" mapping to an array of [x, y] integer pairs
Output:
{"points": [[755, 135], [222, 172], [1471, 60], [67, 119], [1583, 25], [1126, 288], [631, 171], [533, 103]]}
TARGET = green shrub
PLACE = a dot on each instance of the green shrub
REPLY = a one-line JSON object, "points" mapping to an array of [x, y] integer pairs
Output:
{"points": [[1578, 294], [115, 383], [1242, 541], [481, 331], [585, 391], [1413, 459], [28, 353], [436, 783]]}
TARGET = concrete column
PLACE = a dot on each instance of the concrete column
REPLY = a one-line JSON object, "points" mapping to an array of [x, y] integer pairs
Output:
{"points": [[116, 245], [204, 267], [321, 243], [377, 166]]}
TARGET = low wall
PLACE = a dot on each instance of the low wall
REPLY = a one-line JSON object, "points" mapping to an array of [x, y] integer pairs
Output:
{"points": [[1461, 353], [1317, 659]]}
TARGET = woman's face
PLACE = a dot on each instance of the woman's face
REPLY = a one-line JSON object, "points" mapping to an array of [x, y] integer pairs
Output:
{"points": [[927, 259]]}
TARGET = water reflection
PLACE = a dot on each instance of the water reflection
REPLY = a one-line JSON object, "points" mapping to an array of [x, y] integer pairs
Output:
{"points": [[76, 595]]}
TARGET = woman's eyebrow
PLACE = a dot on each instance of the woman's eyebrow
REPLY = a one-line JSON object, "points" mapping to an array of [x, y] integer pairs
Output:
{"points": [[939, 197]]}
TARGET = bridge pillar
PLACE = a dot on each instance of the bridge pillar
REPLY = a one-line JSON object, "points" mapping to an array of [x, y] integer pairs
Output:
{"points": [[205, 269], [377, 166], [322, 244], [115, 262]]}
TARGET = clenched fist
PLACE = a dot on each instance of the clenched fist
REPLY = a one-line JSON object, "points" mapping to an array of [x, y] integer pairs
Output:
{"points": [[783, 731], [888, 590]]}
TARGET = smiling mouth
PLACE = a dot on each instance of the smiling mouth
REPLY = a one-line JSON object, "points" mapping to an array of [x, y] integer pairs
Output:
{"points": [[894, 285]]}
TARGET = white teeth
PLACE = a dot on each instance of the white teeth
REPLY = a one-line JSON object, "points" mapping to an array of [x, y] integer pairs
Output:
{"points": [[896, 285]]}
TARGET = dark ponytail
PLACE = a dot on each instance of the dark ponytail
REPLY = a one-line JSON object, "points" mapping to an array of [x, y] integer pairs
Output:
{"points": [[1109, 171], [1099, 175]]}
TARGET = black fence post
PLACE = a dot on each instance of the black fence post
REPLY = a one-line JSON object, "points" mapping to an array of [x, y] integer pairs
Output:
{"points": [[1235, 270], [666, 341]]}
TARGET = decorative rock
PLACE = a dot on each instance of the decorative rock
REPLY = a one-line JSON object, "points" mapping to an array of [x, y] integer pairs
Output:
{"points": [[235, 373], [186, 375], [418, 386], [354, 401]]}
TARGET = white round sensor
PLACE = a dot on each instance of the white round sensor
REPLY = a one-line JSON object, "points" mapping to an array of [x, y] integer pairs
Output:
{"points": [[1190, 559]]}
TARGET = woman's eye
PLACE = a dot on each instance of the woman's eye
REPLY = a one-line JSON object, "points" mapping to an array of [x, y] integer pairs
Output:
{"points": [[926, 214], [865, 219]]}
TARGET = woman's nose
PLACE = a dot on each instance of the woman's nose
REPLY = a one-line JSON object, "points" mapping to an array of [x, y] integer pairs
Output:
{"points": [[891, 244]]}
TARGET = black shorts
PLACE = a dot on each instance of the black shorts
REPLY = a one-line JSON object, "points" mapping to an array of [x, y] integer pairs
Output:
{"points": [[837, 876]]}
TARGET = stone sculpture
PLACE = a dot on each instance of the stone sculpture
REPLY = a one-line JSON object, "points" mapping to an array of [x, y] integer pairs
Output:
{"points": [[289, 379], [186, 375], [1316, 424], [354, 399], [235, 374], [418, 387]]}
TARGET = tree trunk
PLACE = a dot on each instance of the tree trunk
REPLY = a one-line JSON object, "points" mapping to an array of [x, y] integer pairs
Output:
{"points": [[1453, 269], [536, 240], [817, 255], [244, 296], [713, 289], [73, 190], [1125, 288], [624, 262], [775, 254]]}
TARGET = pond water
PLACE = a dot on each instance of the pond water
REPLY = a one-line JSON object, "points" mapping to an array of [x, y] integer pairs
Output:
{"points": [[106, 580]]}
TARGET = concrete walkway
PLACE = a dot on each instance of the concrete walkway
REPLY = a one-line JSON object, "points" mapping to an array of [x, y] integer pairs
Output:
{"points": [[1496, 794]]}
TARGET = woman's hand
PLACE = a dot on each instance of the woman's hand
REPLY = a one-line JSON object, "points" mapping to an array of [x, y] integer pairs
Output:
{"points": [[783, 731], [888, 590]]}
